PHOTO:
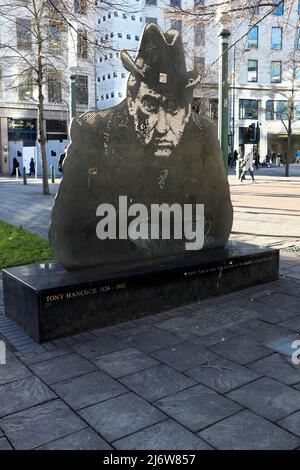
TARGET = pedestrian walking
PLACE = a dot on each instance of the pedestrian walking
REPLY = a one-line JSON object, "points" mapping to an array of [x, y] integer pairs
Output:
{"points": [[16, 169], [31, 168], [248, 166]]}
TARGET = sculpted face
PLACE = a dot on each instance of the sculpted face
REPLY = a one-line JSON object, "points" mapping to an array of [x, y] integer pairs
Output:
{"points": [[159, 120]]}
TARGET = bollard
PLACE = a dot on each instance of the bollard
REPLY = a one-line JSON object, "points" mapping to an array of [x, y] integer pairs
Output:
{"points": [[52, 173], [24, 175]]}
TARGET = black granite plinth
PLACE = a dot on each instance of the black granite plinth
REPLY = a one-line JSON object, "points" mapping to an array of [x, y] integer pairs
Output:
{"points": [[49, 302]]}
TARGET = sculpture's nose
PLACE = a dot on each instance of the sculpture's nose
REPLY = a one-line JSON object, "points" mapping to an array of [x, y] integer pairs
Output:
{"points": [[162, 122]]}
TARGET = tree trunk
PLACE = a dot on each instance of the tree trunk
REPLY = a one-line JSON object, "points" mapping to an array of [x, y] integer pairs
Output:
{"points": [[287, 163], [42, 140], [41, 134]]}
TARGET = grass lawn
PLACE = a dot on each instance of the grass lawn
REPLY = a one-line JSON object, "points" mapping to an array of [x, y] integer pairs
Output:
{"points": [[18, 246]]}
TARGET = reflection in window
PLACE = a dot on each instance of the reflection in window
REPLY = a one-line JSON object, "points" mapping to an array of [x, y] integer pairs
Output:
{"points": [[248, 109], [253, 38], [276, 110], [280, 9], [275, 71], [276, 39], [23, 26], [82, 89], [252, 70]]}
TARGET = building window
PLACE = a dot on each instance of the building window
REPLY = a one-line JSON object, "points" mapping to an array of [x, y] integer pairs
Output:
{"points": [[297, 72], [120, 94], [112, 95], [176, 25], [128, 36], [82, 46], [276, 71], [276, 110], [280, 9], [137, 38], [54, 34], [151, 2], [248, 109], [276, 37], [199, 64], [253, 38], [199, 35], [54, 88], [252, 70], [115, 74], [150, 19], [119, 35], [82, 93], [213, 108], [298, 37], [123, 75], [23, 26], [80, 6], [25, 86], [133, 17], [175, 3]]}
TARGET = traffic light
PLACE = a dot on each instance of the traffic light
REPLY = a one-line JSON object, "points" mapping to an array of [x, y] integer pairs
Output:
{"points": [[252, 132]]}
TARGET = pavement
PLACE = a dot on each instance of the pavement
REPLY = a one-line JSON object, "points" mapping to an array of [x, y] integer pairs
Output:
{"points": [[216, 374]]}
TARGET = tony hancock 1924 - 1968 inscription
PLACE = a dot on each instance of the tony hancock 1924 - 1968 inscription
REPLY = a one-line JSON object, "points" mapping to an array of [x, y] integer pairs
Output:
{"points": [[151, 149]]}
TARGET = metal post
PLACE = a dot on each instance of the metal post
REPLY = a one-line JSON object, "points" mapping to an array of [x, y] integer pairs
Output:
{"points": [[223, 96], [24, 175], [73, 95], [52, 173]]}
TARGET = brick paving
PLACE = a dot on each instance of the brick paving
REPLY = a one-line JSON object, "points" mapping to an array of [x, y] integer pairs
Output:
{"points": [[215, 374]]}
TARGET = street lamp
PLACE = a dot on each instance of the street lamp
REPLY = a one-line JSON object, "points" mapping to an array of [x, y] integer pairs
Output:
{"points": [[223, 88]]}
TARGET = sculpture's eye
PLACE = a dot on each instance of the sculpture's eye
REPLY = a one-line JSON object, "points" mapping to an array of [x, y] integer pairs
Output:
{"points": [[150, 104], [172, 107]]}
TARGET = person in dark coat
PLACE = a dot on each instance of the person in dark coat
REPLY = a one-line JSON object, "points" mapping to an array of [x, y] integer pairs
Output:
{"points": [[31, 168], [16, 169], [150, 148]]}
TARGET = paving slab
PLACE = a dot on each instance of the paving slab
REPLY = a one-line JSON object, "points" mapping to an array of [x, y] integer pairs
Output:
{"points": [[223, 375], [41, 424], [125, 362], [150, 339], [157, 382], [167, 435], [24, 393], [88, 389], [291, 423], [13, 370], [118, 417], [87, 439], [44, 356], [247, 431], [62, 368], [241, 349], [268, 398], [197, 407], [93, 349], [185, 355], [292, 324], [4, 444], [278, 367], [274, 314]]}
